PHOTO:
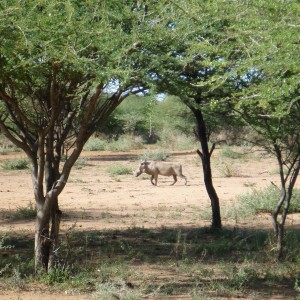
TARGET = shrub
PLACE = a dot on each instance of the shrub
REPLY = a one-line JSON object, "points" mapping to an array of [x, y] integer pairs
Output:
{"points": [[228, 169], [94, 144], [262, 201], [229, 153], [125, 143], [119, 170], [175, 140], [155, 155], [25, 213], [16, 164]]}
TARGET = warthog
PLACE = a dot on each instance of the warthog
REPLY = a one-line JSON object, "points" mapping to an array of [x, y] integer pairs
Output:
{"points": [[155, 168]]}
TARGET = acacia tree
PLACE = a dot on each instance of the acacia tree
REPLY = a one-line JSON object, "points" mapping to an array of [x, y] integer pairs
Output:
{"points": [[64, 67], [271, 103], [193, 54]]}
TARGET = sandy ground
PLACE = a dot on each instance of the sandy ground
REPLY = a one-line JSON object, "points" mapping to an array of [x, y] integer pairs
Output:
{"points": [[95, 200]]}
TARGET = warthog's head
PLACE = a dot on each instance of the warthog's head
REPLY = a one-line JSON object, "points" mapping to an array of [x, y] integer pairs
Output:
{"points": [[141, 169]]}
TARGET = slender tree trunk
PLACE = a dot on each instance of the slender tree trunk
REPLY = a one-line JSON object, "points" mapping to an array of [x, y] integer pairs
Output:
{"points": [[282, 210], [205, 156], [42, 242], [216, 214], [54, 234], [47, 221], [46, 235], [51, 176]]}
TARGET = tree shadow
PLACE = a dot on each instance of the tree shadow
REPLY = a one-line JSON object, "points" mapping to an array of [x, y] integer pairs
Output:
{"points": [[180, 259]]}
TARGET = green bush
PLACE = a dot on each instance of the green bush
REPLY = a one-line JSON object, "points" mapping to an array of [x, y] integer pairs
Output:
{"points": [[176, 140], [119, 170], [229, 153], [262, 201], [123, 143], [155, 155], [25, 213], [16, 164], [94, 144]]}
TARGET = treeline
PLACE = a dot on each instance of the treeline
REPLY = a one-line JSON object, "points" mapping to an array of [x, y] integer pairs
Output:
{"points": [[166, 121]]}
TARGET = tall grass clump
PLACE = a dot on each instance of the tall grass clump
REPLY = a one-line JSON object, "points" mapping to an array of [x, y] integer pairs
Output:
{"points": [[158, 154], [114, 282], [119, 170], [123, 143], [262, 201], [16, 164], [228, 169], [176, 140], [25, 213], [94, 144], [227, 152]]}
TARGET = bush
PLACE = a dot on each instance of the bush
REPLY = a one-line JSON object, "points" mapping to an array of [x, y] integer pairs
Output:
{"points": [[176, 140], [25, 213], [262, 201], [94, 144], [119, 170], [123, 143], [16, 164], [229, 153], [228, 169], [155, 155]]}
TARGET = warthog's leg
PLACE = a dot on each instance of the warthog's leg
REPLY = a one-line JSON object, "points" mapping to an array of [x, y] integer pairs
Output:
{"points": [[151, 179], [182, 176], [175, 179], [155, 178]]}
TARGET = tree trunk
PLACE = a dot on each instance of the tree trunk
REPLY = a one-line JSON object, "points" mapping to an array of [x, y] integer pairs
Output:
{"points": [[282, 210], [42, 244], [47, 223], [279, 225], [54, 234], [205, 156], [46, 236]]}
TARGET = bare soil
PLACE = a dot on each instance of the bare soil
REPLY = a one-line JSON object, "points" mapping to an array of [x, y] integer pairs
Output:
{"points": [[95, 200]]}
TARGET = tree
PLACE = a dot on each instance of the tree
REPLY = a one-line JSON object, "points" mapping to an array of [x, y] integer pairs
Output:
{"points": [[193, 54], [218, 52], [271, 102], [65, 66]]}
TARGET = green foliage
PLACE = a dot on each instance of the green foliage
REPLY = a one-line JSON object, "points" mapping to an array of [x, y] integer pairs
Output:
{"points": [[122, 143], [176, 140], [262, 201], [94, 144], [96, 264], [151, 119], [158, 154], [227, 152], [25, 213], [16, 164], [171, 114], [119, 170], [55, 276]]}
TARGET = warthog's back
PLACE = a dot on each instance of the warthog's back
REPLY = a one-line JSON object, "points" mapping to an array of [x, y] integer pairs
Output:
{"points": [[165, 168]]}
